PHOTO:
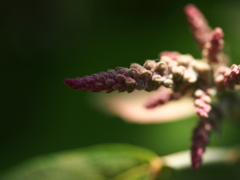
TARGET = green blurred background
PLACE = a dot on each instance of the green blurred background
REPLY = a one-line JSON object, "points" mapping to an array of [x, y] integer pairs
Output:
{"points": [[43, 42]]}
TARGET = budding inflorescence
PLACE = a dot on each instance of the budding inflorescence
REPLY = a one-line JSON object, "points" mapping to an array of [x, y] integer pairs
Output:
{"points": [[175, 75], [171, 71], [201, 135]]}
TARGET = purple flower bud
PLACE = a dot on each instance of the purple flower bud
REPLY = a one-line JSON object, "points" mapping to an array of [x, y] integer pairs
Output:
{"points": [[109, 82], [133, 73], [120, 78]]}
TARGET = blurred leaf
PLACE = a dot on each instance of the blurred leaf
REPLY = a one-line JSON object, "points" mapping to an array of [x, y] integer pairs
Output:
{"points": [[101, 162]]}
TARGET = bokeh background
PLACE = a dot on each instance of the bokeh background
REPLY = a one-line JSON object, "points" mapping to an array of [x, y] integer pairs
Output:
{"points": [[43, 42]]}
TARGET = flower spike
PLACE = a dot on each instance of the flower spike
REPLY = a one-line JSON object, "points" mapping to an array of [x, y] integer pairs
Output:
{"points": [[175, 75], [198, 24], [201, 135]]}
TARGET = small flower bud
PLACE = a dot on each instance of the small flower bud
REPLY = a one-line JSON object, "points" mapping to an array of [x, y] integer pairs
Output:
{"points": [[99, 77], [178, 71], [211, 92], [141, 84], [150, 65], [122, 70], [184, 60], [159, 79], [165, 59], [120, 78], [145, 74], [206, 99], [170, 76], [111, 73], [168, 83], [109, 82], [89, 79], [132, 72], [200, 66], [219, 78], [130, 83], [161, 66], [190, 75], [136, 66], [199, 93]]}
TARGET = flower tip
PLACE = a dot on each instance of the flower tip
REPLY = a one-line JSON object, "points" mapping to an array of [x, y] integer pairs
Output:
{"points": [[68, 82], [190, 9], [218, 33]]}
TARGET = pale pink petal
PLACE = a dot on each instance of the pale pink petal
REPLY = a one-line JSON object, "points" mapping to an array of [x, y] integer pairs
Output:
{"points": [[131, 107]]}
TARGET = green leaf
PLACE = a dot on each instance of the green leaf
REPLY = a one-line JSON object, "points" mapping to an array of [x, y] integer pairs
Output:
{"points": [[101, 162]]}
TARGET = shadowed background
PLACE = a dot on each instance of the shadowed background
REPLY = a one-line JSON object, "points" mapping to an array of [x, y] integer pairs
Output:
{"points": [[43, 42]]}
